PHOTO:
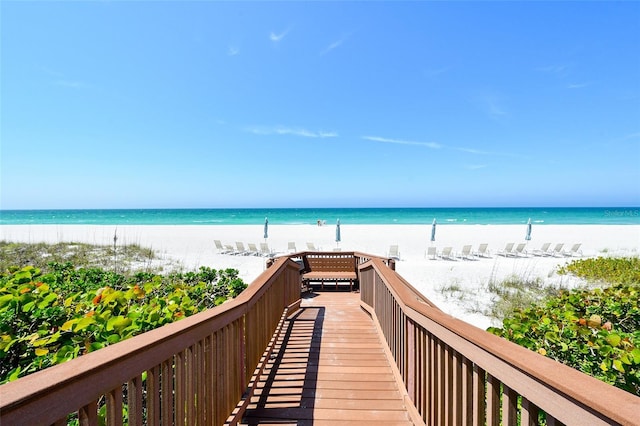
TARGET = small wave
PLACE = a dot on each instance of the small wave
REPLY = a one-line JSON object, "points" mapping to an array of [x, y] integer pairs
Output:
{"points": [[538, 221], [451, 220]]}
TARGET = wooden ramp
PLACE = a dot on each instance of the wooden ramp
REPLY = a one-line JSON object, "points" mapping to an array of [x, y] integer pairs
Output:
{"points": [[329, 368]]}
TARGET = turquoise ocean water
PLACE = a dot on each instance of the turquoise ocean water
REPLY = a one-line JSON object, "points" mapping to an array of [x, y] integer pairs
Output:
{"points": [[460, 216]]}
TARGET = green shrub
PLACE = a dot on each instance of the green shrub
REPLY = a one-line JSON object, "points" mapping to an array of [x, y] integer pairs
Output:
{"points": [[49, 318], [595, 331]]}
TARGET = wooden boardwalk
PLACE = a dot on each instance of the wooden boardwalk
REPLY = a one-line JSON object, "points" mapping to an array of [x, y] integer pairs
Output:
{"points": [[329, 367]]}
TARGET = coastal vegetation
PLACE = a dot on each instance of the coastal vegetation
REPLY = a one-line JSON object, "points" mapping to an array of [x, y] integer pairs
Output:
{"points": [[595, 329], [60, 301]]}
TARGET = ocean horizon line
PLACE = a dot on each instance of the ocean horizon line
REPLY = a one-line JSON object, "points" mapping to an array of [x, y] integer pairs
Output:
{"points": [[326, 216]]}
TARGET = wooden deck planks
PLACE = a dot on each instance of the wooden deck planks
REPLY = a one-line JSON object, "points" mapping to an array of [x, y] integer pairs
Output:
{"points": [[329, 367]]}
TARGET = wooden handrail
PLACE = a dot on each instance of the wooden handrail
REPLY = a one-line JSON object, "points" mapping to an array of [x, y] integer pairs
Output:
{"points": [[196, 369], [456, 373]]}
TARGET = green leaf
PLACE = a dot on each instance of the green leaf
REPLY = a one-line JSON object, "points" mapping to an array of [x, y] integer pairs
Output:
{"points": [[5, 300], [617, 365], [47, 300], [22, 277], [636, 355], [41, 351], [118, 323], [28, 307], [67, 326], [15, 374], [613, 339], [84, 323]]}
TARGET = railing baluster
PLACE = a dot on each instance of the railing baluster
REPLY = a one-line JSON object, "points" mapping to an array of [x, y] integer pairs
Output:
{"points": [[114, 407], [200, 383], [467, 391], [493, 401], [458, 388], [509, 406], [179, 399], [153, 396], [528, 413], [88, 414], [167, 380], [189, 393], [479, 400], [134, 399]]}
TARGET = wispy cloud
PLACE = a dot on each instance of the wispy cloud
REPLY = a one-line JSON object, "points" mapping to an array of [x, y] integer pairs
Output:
{"points": [[293, 131], [490, 153], [473, 151], [578, 85], [475, 166], [233, 51], [332, 46], [335, 44], [431, 145], [275, 37]]}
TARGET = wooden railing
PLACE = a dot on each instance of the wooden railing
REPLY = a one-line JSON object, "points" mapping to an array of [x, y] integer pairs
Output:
{"points": [[196, 370], [190, 372], [457, 374]]}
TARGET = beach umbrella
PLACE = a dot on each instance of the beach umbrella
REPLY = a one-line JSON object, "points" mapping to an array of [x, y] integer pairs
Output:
{"points": [[528, 235], [266, 229], [338, 232], [433, 230]]}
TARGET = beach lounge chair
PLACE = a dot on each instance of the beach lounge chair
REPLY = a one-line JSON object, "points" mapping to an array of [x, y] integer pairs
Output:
{"points": [[265, 251], [542, 251], [253, 249], [465, 254], [520, 250], [483, 250], [240, 250], [575, 250], [291, 247], [508, 250], [431, 252], [311, 247], [557, 250], [394, 252], [220, 247], [447, 253], [230, 249]]}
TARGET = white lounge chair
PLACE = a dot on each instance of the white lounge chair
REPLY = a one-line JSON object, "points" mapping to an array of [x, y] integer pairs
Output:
{"points": [[483, 250], [220, 247], [520, 250], [291, 247], [431, 252], [575, 250], [508, 250], [466, 253], [447, 253], [542, 251], [253, 249], [557, 250], [394, 252], [265, 251], [311, 247], [240, 249], [230, 249]]}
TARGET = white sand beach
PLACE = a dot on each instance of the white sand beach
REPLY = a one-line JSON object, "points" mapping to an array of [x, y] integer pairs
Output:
{"points": [[194, 246]]}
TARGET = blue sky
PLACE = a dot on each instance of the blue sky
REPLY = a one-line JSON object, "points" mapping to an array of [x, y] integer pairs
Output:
{"points": [[319, 104]]}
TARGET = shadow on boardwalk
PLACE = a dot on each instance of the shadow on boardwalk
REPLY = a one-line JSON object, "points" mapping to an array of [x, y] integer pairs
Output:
{"points": [[329, 366]]}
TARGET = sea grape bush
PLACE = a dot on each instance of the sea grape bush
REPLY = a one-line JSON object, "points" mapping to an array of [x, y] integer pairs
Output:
{"points": [[49, 318], [612, 270], [595, 331]]}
